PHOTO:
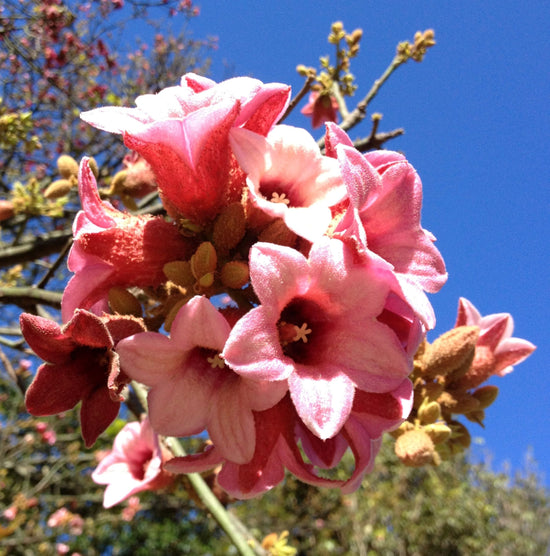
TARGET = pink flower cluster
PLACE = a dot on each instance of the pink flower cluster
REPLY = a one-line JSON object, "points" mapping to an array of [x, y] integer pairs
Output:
{"points": [[324, 262]]}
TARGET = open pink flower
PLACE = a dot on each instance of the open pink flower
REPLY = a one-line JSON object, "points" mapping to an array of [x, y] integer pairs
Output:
{"points": [[183, 132], [289, 178], [191, 387], [496, 350], [133, 465], [279, 433], [112, 248], [385, 201], [328, 324], [321, 109], [81, 365]]}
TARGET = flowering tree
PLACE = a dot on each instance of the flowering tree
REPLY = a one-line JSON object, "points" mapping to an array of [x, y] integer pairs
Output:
{"points": [[269, 314]]}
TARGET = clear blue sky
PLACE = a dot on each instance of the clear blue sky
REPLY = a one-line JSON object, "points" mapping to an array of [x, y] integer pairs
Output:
{"points": [[477, 129]]}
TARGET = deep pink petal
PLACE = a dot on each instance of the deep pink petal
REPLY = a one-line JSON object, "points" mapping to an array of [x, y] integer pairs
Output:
{"points": [[97, 412], [46, 338]]}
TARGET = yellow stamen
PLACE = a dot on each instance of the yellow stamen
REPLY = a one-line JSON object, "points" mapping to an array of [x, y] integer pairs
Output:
{"points": [[279, 198], [301, 333], [216, 362]]}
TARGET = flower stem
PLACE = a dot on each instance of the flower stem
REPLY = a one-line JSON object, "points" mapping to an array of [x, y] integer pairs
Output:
{"points": [[207, 497]]}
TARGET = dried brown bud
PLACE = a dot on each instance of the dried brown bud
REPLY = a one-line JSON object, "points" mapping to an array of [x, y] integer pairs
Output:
{"points": [[229, 227], [277, 232], [67, 166], [204, 261], [415, 448], [429, 412], [458, 402], [179, 272], [121, 301], [235, 274], [450, 351], [438, 432], [59, 188], [486, 395]]}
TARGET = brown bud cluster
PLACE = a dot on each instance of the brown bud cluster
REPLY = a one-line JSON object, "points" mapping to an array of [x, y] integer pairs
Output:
{"points": [[431, 432]]}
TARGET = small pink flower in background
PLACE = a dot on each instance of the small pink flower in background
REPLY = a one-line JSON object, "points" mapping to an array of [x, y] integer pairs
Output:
{"points": [[62, 548], [81, 365], [321, 109], [64, 518], [183, 132], [112, 248], [496, 350], [385, 201], [48, 435], [134, 464], [10, 513], [316, 328], [191, 387], [288, 177], [133, 507]]}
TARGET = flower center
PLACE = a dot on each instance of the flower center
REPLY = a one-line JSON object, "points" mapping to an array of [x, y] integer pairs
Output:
{"points": [[303, 328], [216, 362], [276, 192], [279, 198]]}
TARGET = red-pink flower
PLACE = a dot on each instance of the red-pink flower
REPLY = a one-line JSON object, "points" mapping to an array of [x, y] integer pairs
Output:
{"points": [[496, 350], [328, 324], [321, 109], [133, 465], [81, 365], [385, 201], [112, 248], [183, 132], [288, 177], [191, 387], [280, 432]]}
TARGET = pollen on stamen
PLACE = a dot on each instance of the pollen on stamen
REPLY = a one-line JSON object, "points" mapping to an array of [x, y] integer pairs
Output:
{"points": [[279, 198], [301, 333], [216, 362]]}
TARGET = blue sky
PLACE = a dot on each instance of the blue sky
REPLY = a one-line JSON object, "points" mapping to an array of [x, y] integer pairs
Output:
{"points": [[477, 130]]}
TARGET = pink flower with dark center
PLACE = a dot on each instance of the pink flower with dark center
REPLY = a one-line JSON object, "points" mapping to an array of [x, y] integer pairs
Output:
{"points": [[279, 432], [133, 465], [81, 365], [191, 388], [183, 132], [288, 177], [328, 324], [496, 350], [112, 248], [321, 109], [385, 201]]}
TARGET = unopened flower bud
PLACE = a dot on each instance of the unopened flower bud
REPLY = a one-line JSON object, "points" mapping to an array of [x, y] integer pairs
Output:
{"points": [[229, 227], [179, 272], [460, 436], [204, 261], [277, 232], [93, 167], [458, 402], [438, 432], [67, 166], [6, 210], [486, 395], [415, 448], [121, 301], [235, 274], [450, 351], [58, 188], [117, 184], [429, 412]]}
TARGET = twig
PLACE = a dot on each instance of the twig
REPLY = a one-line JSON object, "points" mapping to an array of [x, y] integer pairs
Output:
{"points": [[301, 94], [28, 297], [40, 246], [377, 140], [11, 372]]}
